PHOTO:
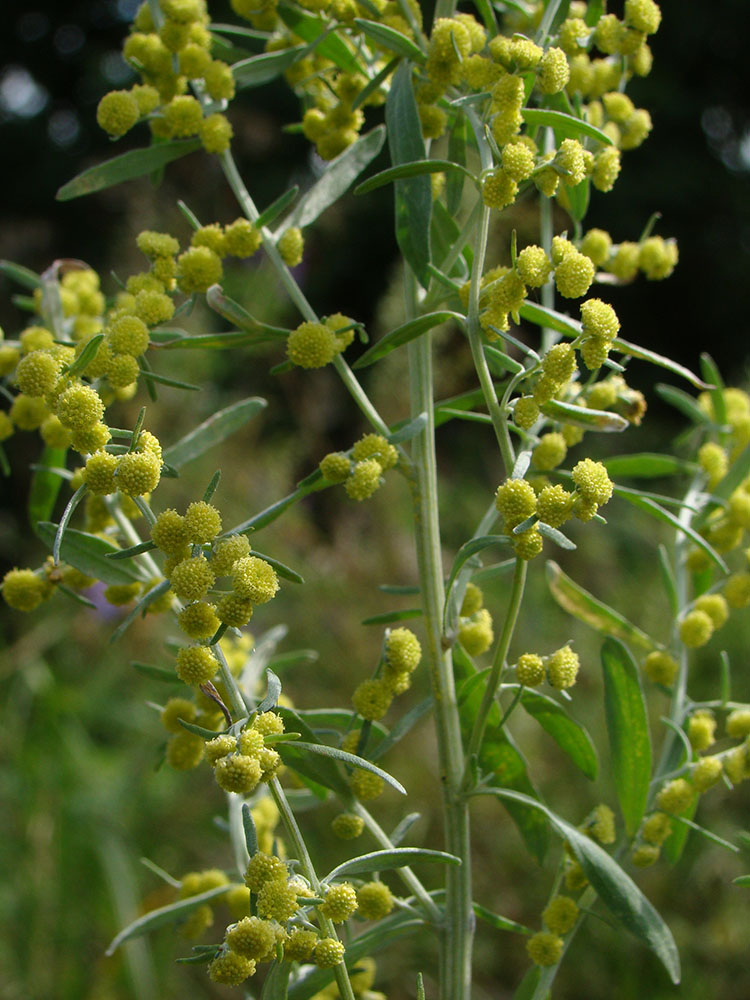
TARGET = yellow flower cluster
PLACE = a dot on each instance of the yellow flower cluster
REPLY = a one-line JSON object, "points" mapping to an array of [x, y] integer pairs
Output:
{"points": [[361, 468]]}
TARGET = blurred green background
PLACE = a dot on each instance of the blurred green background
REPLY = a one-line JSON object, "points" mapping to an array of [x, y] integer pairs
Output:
{"points": [[80, 794]]}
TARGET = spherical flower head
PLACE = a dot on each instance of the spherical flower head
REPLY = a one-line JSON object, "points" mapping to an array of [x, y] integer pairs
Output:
{"points": [[706, 773], [202, 522], [560, 914], [251, 937], [715, 606], [597, 244], [507, 293], [138, 473], [675, 796], [122, 370], [311, 345], [196, 665], [553, 71], [199, 620], [215, 133], [544, 948], [183, 116], [291, 245], [23, 590], [254, 579], [696, 628], [737, 590], [657, 257], [570, 159], [120, 594], [555, 505], [100, 473], [476, 634], [499, 189], [117, 112], [269, 724], [340, 902], [238, 773], [168, 532], [192, 578], [525, 412], [336, 467], [592, 481], [219, 81], [528, 544], [562, 668], [328, 953], [154, 245], [738, 510], [234, 610], [643, 15], [277, 898], [550, 452], [184, 751], [241, 238], [199, 920], [230, 969], [226, 553], [635, 129], [347, 826], [298, 947], [36, 374], [364, 480], [533, 265], [518, 161], [209, 236], [738, 723], [79, 407], [575, 879], [262, 868], [372, 699], [375, 446], [129, 334], [193, 60], [366, 785], [603, 826], [574, 275], [713, 460], [515, 500], [197, 269], [645, 856], [656, 828], [660, 667], [530, 670], [9, 357], [606, 168], [594, 352], [472, 602], [375, 900], [403, 651], [737, 764], [152, 307], [176, 709], [617, 105]]}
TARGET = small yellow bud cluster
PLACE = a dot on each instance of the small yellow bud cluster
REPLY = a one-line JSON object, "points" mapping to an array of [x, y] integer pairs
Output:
{"points": [[362, 469], [241, 763], [560, 669], [402, 653], [193, 884]]}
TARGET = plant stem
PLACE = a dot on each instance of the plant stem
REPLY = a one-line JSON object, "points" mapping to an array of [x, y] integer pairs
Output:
{"points": [[498, 663], [458, 930], [236, 700], [300, 850]]}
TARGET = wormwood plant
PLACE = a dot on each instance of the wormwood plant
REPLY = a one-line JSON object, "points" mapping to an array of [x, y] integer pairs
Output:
{"points": [[516, 103]]}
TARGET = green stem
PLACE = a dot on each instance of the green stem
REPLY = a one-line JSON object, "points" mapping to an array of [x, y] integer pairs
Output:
{"points": [[299, 850], [458, 930], [546, 232], [444, 8], [406, 875], [498, 663], [236, 700], [499, 421]]}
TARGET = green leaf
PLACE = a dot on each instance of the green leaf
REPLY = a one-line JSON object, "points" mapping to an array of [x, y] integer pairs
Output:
{"points": [[466, 552], [388, 617], [578, 199], [134, 550], [140, 609], [407, 431], [556, 536], [320, 770], [257, 70], [403, 334], [281, 568], [634, 351], [390, 39], [251, 834], [593, 420], [213, 431], [381, 861], [237, 314], [567, 125], [586, 608], [310, 28], [276, 983], [402, 727], [135, 163], [274, 210], [413, 196], [413, 169], [45, 485], [683, 402], [156, 673], [550, 319], [498, 922], [336, 178], [527, 988], [629, 738], [164, 915], [708, 834], [661, 514], [569, 735], [21, 275], [614, 887], [86, 356], [743, 880], [88, 553], [174, 383], [713, 378], [645, 465], [347, 758], [458, 141]]}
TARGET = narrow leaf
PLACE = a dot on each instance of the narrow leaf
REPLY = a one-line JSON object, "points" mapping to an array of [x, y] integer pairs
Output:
{"points": [[683, 402], [466, 552], [320, 770], [645, 465], [550, 319], [213, 431], [413, 196], [593, 420], [409, 430], [402, 727], [403, 334], [281, 568], [498, 922], [139, 609], [21, 275], [164, 915], [257, 70], [156, 673], [134, 550], [743, 880], [627, 726], [390, 39], [86, 356], [556, 536], [45, 485], [634, 351], [403, 828], [276, 983], [237, 314], [135, 163], [614, 887], [586, 608], [310, 28], [274, 210], [272, 692], [380, 861], [414, 169], [567, 125], [251, 834], [347, 758], [569, 735], [388, 617], [337, 177], [88, 553]]}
